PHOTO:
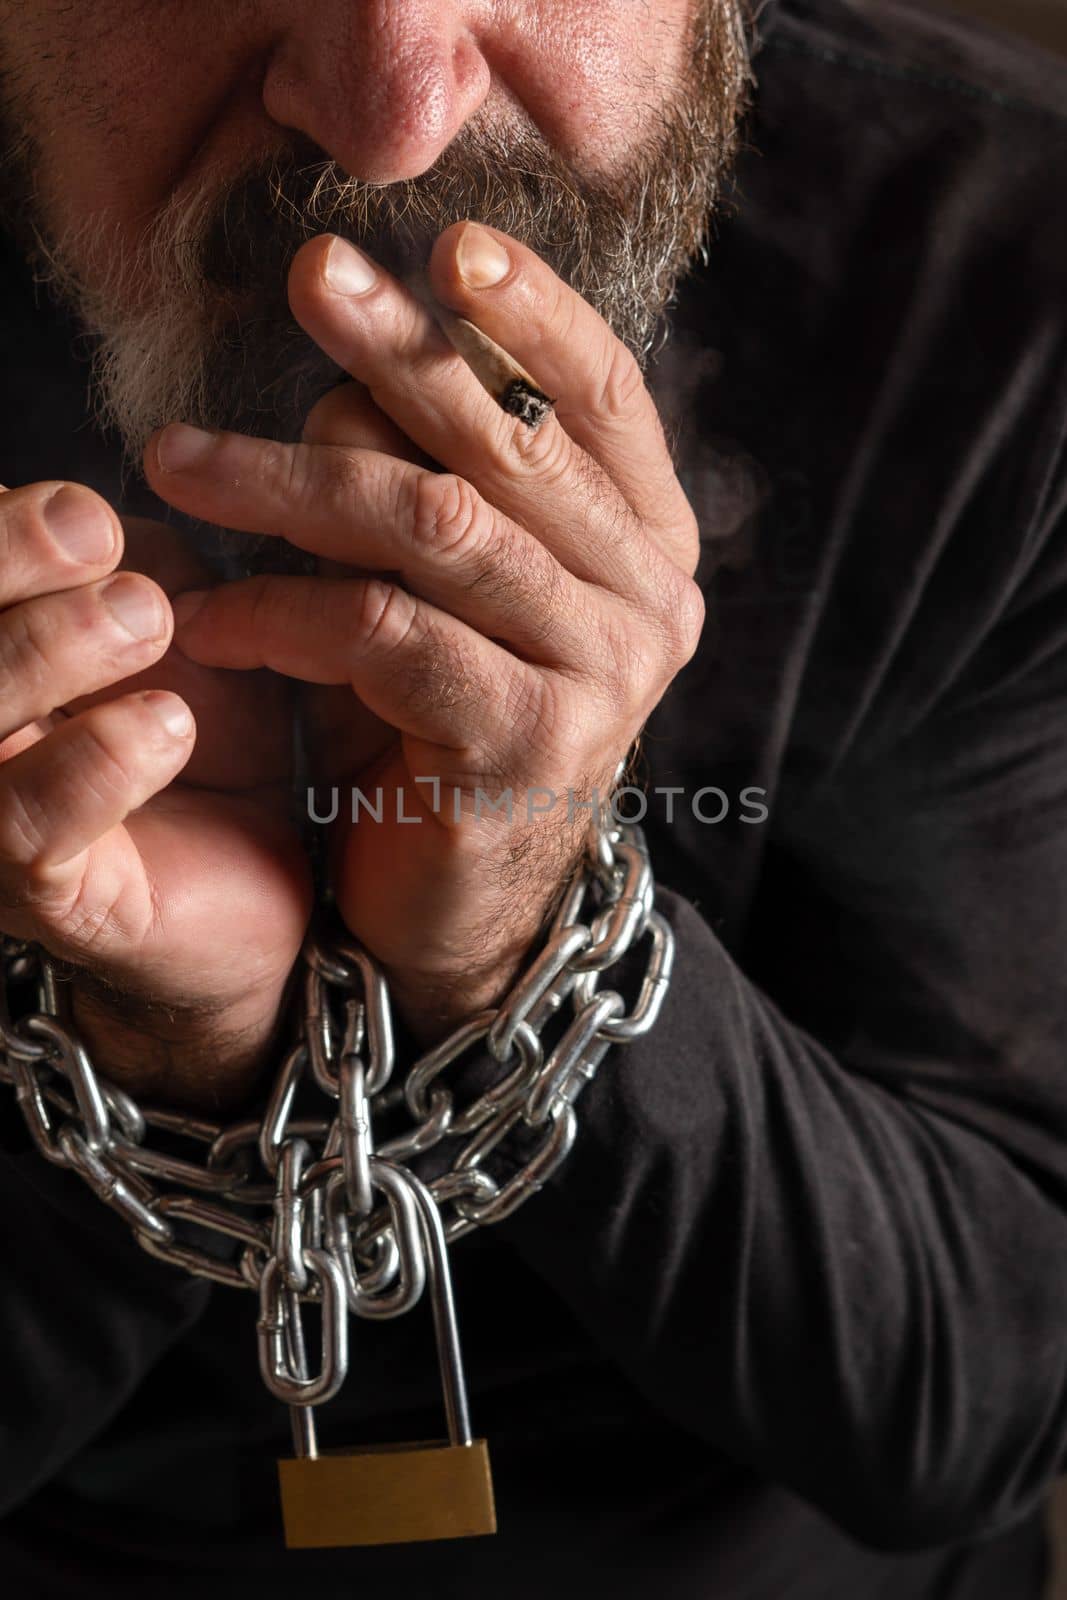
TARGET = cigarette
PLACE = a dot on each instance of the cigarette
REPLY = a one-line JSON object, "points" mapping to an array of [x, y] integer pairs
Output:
{"points": [[499, 374]]}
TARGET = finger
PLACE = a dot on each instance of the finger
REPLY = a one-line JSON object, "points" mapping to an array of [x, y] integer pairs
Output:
{"points": [[54, 536], [540, 479], [70, 789], [601, 397], [22, 739], [370, 511], [59, 647], [164, 552], [347, 415], [421, 671]]}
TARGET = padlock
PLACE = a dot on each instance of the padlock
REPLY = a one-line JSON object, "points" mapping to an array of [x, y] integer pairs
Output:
{"points": [[402, 1493]]}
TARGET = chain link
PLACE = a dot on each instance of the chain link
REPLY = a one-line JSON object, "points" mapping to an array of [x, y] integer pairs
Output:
{"points": [[299, 1205]]}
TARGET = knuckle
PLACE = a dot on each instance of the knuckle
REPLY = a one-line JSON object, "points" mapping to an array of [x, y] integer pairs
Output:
{"points": [[643, 652], [23, 826], [26, 648], [547, 451], [621, 384], [683, 620], [446, 514], [300, 485], [92, 769], [385, 615], [283, 468], [86, 924], [625, 650], [308, 478], [82, 771], [408, 330]]}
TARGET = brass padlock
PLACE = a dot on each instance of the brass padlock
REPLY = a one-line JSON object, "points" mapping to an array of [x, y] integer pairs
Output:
{"points": [[398, 1494], [403, 1493]]}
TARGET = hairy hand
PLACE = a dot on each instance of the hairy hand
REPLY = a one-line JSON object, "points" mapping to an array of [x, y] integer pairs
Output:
{"points": [[497, 609]]}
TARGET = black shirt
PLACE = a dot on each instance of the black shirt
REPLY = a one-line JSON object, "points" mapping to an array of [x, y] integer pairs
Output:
{"points": [[792, 1320]]}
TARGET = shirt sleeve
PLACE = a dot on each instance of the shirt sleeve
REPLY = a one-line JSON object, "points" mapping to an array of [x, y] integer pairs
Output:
{"points": [[842, 1259]]}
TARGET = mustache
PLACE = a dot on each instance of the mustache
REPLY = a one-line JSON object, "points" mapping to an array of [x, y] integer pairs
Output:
{"points": [[584, 230], [300, 191]]}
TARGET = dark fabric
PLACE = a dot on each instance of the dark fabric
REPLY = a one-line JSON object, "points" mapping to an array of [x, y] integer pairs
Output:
{"points": [[792, 1322]]}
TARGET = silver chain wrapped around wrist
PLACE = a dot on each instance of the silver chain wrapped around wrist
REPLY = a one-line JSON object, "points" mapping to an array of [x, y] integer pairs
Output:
{"points": [[300, 1203]]}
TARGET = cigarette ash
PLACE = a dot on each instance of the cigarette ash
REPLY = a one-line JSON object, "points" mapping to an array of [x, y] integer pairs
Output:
{"points": [[520, 399]]}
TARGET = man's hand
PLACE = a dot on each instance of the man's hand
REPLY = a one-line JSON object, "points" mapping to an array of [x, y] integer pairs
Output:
{"points": [[148, 849], [511, 620]]}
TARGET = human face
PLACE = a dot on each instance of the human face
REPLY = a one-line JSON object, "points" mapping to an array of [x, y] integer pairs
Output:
{"points": [[150, 134]]}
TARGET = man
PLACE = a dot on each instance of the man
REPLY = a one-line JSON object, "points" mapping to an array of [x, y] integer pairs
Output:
{"points": [[791, 1319]]}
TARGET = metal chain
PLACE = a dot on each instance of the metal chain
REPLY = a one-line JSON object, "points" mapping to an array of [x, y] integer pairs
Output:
{"points": [[300, 1204]]}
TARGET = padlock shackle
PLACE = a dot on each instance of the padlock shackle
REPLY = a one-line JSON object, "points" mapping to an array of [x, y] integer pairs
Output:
{"points": [[442, 1300], [283, 1360]]}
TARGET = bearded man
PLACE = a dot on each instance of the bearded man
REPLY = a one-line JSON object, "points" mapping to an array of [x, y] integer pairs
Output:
{"points": [[791, 1318]]}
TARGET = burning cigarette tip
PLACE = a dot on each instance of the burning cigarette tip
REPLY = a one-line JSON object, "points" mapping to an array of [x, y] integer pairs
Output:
{"points": [[521, 399]]}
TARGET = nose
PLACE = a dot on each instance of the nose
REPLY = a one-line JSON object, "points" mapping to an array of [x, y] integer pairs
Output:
{"points": [[382, 86]]}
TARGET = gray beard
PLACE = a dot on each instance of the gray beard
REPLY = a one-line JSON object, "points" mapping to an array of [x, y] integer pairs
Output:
{"points": [[194, 324]]}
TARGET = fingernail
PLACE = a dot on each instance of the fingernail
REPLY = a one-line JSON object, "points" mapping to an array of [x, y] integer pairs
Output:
{"points": [[480, 261], [180, 447], [173, 713], [185, 606], [135, 606], [347, 270], [80, 525]]}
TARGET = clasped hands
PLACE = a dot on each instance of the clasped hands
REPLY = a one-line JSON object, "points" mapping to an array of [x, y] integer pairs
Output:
{"points": [[493, 607]]}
